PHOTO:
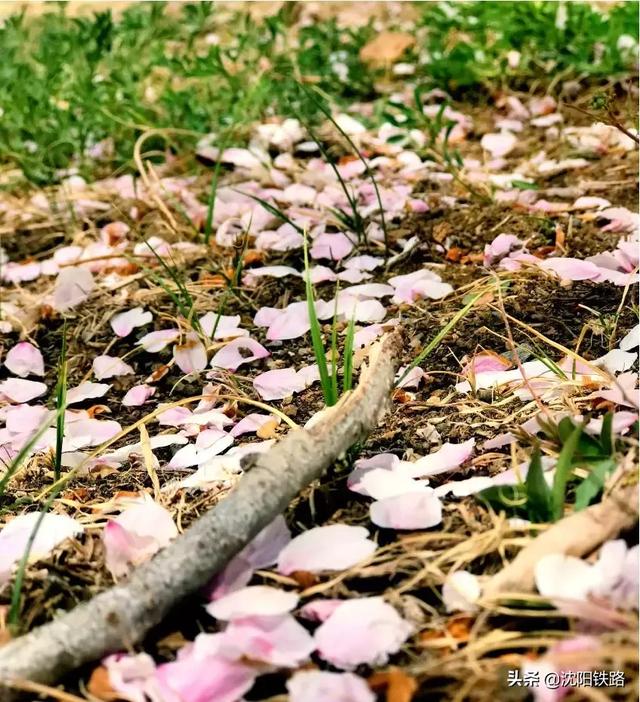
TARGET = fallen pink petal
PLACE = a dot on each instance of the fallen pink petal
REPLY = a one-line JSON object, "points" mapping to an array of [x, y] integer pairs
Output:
{"points": [[333, 547], [25, 359], [366, 630]]}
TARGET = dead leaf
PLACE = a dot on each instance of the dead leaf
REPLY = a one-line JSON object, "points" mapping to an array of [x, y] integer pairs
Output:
{"points": [[268, 430], [401, 397], [213, 281], [99, 685], [454, 254], [459, 628], [386, 48], [441, 231], [98, 409], [157, 374], [252, 256], [399, 685], [304, 578]]}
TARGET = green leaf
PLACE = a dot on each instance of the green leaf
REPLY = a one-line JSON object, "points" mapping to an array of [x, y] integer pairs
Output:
{"points": [[593, 484], [61, 402], [511, 498], [316, 336], [606, 434], [564, 469], [347, 379], [539, 506]]}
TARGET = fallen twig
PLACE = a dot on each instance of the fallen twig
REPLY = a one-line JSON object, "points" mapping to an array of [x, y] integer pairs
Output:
{"points": [[577, 535], [121, 616]]}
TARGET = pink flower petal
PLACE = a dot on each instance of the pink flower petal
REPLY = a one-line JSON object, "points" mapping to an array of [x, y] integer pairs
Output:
{"points": [[19, 390], [225, 327], [125, 322], [110, 367], [138, 395], [252, 274], [501, 247], [20, 272], [571, 268], [623, 391], [256, 600], [366, 311], [136, 534], [321, 686], [157, 340], [190, 357], [86, 391], [447, 458], [564, 577], [90, 431], [262, 552], [361, 631], [15, 535], [252, 422], [332, 547], [380, 484], [418, 285], [499, 144], [26, 418], [620, 219], [460, 592], [364, 263], [275, 640], [413, 510], [238, 352], [412, 379], [133, 676], [278, 384], [332, 246], [25, 359], [319, 610], [485, 362], [73, 286], [290, 323], [197, 677]]}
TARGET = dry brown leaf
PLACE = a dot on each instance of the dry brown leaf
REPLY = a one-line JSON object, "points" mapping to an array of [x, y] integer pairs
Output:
{"points": [[268, 430], [304, 578], [399, 685], [157, 374], [386, 48], [99, 685]]}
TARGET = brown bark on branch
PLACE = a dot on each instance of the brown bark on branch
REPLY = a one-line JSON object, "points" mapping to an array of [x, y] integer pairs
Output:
{"points": [[576, 535], [121, 616]]}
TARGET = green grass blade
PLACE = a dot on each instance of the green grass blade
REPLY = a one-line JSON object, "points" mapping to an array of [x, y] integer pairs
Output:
{"points": [[606, 434], [347, 363], [22, 455], [435, 342], [564, 468], [316, 336], [275, 211], [208, 225], [358, 224], [61, 401], [593, 484], [334, 352], [368, 171], [539, 506]]}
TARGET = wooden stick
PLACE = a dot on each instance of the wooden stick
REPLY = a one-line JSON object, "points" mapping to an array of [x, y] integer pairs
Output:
{"points": [[121, 616]]}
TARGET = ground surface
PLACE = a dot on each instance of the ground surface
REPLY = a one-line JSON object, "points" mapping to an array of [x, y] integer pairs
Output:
{"points": [[501, 200]]}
